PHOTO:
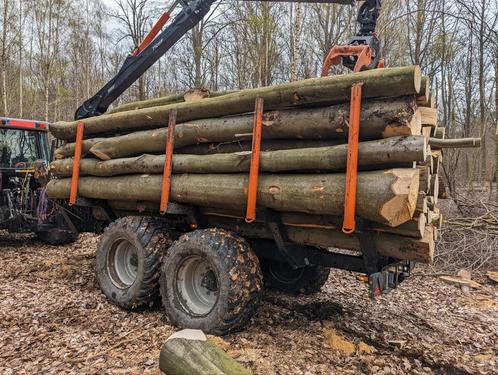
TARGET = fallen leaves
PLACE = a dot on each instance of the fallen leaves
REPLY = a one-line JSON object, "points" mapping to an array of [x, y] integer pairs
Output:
{"points": [[54, 319], [338, 342], [492, 276]]}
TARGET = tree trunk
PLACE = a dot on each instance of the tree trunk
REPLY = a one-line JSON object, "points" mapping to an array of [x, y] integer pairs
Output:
{"points": [[393, 82], [438, 144], [387, 197], [266, 145], [380, 119], [4, 57], [189, 352], [68, 149], [373, 155], [157, 102], [390, 245], [414, 228]]}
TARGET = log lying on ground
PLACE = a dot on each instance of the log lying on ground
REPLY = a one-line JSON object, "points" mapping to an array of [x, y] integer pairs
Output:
{"points": [[437, 143], [392, 151], [392, 82], [380, 119], [189, 352], [387, 197]]}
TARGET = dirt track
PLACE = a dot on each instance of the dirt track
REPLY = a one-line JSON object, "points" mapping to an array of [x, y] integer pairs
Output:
{"points": [[53, 319]]}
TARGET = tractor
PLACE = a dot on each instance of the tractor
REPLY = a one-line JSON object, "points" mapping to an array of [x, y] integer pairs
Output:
{"points": [[24, 206]]}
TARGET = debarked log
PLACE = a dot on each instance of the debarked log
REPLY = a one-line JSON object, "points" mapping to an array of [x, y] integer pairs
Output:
{"points": [[380, 119], [387, 197], [392, 151], [378, 83]]}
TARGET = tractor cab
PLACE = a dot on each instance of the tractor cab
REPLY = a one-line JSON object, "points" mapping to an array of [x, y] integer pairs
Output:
{"points": [[22, 144], [24, 157]]}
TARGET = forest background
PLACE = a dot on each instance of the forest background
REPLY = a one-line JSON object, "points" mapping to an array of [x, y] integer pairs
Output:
{"points": [[54, 54]]}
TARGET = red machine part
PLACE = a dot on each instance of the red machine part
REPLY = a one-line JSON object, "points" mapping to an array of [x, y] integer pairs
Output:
{"points": [[168, 163], [252, 191], [156, 29], [73, 195], [23, 124], [349, 224], [363, 53]]}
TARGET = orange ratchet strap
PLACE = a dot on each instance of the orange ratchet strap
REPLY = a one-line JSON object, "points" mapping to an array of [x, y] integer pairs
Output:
{"points": [[168, 162], [252, 191], [349, 224], [73, 195]]}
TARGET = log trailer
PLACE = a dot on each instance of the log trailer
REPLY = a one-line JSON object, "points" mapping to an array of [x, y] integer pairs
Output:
{"points": [[210, 272], [24, 206]]}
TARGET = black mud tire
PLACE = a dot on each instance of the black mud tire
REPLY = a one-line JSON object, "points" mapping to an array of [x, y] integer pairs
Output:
{"points": [[280, 276], [57, 237], [135, 283], [232, 282]]}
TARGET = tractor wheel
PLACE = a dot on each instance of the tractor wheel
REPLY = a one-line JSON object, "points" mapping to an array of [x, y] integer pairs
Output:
{"points": [[57, 237], [128, 260], [211, 280], [281, 276]]}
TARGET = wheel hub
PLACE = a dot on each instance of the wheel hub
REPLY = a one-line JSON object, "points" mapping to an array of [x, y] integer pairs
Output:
{"points": [[197, 286], [122, 263]]}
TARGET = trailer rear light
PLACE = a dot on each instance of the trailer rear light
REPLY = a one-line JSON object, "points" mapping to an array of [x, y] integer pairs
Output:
{"points": [[363, 278]]}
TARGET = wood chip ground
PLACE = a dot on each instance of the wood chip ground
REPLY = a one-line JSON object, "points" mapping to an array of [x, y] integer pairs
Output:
{"points": [[54, 320]]}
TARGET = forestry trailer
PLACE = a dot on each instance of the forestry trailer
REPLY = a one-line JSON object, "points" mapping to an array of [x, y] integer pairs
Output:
{"points": [[24, 206], [210, 276]]}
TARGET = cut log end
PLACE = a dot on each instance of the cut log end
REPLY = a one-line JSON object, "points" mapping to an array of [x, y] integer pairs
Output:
{"points": [[405, 187]]}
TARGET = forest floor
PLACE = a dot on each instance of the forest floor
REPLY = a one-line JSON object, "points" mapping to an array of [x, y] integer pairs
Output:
{"points": [[53, 319]]}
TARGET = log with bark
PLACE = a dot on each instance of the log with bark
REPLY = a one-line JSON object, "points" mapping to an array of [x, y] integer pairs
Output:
{"points": [[380, 119], [392, 82], [399, 247], [189, 352], [68, 149], [388, 197], [438, 144], [393, 152], [302, 164], [165, 100], [439, 132], [266, 145], [403, 242]]}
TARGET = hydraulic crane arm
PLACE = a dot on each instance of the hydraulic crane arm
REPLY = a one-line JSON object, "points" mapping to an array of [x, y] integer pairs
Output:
{"points": [[157, 43]]}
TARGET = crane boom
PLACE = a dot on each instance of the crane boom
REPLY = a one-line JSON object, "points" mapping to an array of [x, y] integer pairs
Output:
{"points": [[157, 43]]}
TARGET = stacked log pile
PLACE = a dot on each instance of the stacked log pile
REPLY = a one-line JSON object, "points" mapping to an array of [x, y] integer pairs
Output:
{"points": [[303, 159]]}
